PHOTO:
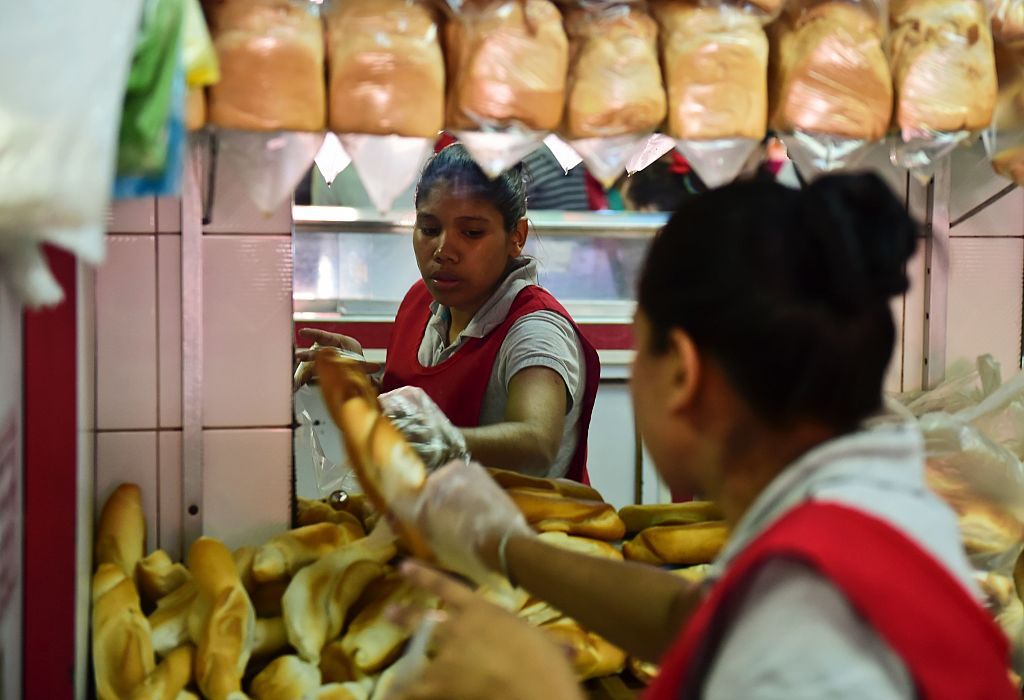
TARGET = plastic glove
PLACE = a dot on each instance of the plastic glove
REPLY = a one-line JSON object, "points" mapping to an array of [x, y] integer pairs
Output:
{"points": [[424, 425], [464, 514]]}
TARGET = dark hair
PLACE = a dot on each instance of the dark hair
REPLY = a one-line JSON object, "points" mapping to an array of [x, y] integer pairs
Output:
{"points": [[454, 167], [788, 290], [659, 187]]}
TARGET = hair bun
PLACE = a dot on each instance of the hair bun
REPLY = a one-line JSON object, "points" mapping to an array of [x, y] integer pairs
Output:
{"points": [[860, 238]]}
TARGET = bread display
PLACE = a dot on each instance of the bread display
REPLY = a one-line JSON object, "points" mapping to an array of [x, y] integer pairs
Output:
{"points": [[169, 622], [591, 655], [582, 545], [337, 666], [271, 56], [270, 636], [828, 72], [169, 678], [715, 60], [121, 531], [1007, 17], [942, 64], [698, 543], [641, 517], [285, 554], [386, 74], [285, 678], [507, 63], [614, 84], [550, 512], [122, 650], [514, 480], [355, 508], [159, 576]]}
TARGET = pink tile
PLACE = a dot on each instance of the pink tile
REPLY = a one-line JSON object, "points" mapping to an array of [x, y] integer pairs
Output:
{"points": [[168, 215], [913, 341], [168, 255], [126, 347], [247, 342], [246, 484], [132, 216], [169, 477], [129, 458]]}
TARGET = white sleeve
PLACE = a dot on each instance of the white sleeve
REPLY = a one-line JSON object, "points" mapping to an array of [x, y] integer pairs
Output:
{"points": [[543, 339], [795, 637]]}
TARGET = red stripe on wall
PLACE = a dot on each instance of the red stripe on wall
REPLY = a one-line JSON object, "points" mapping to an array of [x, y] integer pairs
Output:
{"points": [[51, 439]]}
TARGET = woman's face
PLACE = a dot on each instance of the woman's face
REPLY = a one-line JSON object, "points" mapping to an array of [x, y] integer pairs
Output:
{"points": [[462, 247]]}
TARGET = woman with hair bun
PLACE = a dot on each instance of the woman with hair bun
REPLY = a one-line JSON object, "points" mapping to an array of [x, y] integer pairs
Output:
{"points": [[763, 333]]}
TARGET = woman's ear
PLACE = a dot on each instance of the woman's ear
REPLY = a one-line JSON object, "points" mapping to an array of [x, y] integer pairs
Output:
{"points": [[688, 370], [519, 235]]}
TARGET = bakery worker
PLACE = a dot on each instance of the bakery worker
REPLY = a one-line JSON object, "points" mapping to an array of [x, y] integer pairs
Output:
{"points": [[763, 333], [499, 356]]}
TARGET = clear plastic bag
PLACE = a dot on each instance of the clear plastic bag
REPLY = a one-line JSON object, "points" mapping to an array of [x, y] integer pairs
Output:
{"points": [[497, 151], [387, 165], [719, 161], [424, 426], [649, 150], [328, 476], [606, 157], [921, 155], [386, 73], [268, 164], [815, 154], [331, 159], [1004, 139], [965, 385], [566, 156]]}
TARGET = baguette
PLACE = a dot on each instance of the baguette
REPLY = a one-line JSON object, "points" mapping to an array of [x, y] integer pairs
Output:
{"points": [[514, 480], [243, 558], [121, 533], [169, 622], [285, 554], [342, 691], [641, 517], [693, 574], [122, 649], [337, 666], [551, 512], [698, 543], [285, 678], [1018, 576], [355, 508], [159, 576], [266, 598], [270, 636], [643, 671], [582, 545], [591, 655], [537, 613], [169, 678]]}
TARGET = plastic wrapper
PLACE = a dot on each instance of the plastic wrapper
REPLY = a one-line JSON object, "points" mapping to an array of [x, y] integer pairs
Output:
{"points": [[648, 151], [328, 476], [1007, 19], [606, 157], [1000, 415], [271, 56], [614, 86], [424, 426], [1004, 139], [269, 165], [387, 165], [331, 159], [565, 154], [719, 161], [386, 73], [966, 384], [497, 151], [814, 154]]}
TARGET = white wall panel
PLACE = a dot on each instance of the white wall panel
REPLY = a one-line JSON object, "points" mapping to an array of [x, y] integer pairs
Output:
{"points": [[169, 477], [169, 330], [132, 216]]}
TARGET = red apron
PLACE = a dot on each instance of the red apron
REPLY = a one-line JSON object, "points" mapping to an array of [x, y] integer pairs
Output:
{"points": [[458, 384], [951, 647]]}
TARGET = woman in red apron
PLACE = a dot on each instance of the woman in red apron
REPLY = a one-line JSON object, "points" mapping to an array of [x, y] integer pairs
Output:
{"points": [[494, 351], [763, 333]]}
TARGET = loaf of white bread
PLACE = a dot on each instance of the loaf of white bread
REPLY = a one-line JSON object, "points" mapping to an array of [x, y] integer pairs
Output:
{"points": [[271, 55], [121, 531], [698, 543], [285, 554], [1008, 123], [828, 72], [547, 511], [122, 650], [614, 85], [716, 60], [942, 64], [507, 63], [385, 68]]}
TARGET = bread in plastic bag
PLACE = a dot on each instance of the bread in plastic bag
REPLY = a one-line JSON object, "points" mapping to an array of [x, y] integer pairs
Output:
{"points": [[1000, 415], [828, 74], [1007, 18], [268, 164], [965, 385], [386, 73], [387, 165], [614, 85], [271, 55], [507, 65], [1004, 139], [715, 60]]}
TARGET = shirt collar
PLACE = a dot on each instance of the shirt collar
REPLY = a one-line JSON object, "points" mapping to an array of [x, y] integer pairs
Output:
{"points": [[523, 273]]}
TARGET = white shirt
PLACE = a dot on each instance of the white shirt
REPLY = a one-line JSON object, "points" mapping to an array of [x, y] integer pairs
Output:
{"points": [[539, 339], [797, 636]]}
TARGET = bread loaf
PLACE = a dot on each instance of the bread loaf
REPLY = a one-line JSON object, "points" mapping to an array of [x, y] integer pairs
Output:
{"points": [[337, 666], [195, 109], [1007, 21], [121, 532], [693, 574], [318, 599], [159, 576], [715, 60], [285, 678], [122, 651], [271, 55], [943, 66], [221, 622], [550, 512], [582, 545], [537, 612], [573, 489], [341, 691], [614, 85], [643, 671], [270, 636], [285, 554], [372, 640], [641, 517], [169, 622], [677, 544], [507, 62], [828, 73], [385, 68], [169, 678], [591, 655], [266, 598], [355, 508]]}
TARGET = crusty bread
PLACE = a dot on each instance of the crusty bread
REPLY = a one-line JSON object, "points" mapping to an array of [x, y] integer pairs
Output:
{"points": [[221, 622], [159, 576], [271, 56], [169, 622], [591, 655], [286, 553], [270, 636], [337, 666], [169, 678], [715, 60], [573, 489], [1008, 121], [614, 85], [641, 517], [677, 544], [643, 671], [355, 508], [694, 574], [537, 612], [551, 512], [507, 62], [243, 558], [195, 109], [266, 598], [318, 599], [121, 532], [285, 678], [385, 68], [828, 72], [343, 691], [582, 545], [943, 66], [122, 651]]}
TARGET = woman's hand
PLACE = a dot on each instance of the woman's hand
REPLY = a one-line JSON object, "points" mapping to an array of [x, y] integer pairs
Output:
{"points": [[481, 651], [324, 339], [424, 426]]}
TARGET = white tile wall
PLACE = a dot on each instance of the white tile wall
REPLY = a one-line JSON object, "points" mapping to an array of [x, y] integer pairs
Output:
{"points": [[246, 484], [132, 458], [126, 345], [169, 478], [247, 340], [1005, 217], [973, 181], [168, 215], [168, 249], [132, 216]]}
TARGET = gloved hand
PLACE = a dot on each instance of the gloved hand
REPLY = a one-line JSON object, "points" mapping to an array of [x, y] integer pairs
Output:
{"points": [[424, 426]]}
